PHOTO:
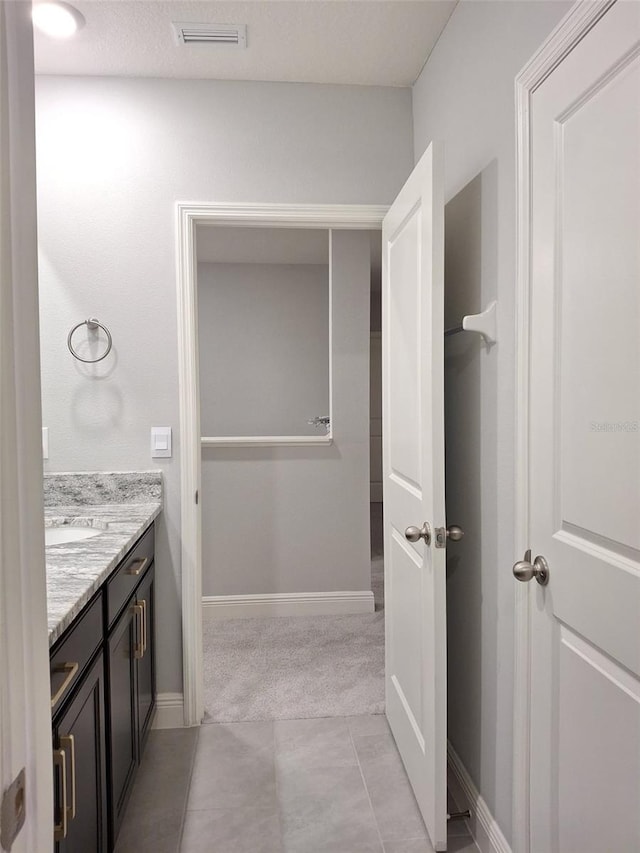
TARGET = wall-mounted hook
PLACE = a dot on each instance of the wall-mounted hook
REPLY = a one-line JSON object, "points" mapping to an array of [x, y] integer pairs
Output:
{"points": [[483, 323]]}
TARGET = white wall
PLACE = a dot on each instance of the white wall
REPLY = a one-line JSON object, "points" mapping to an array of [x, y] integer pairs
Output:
{"points": [[296, 519], [465, 97], [263, 334], [114, 155]]}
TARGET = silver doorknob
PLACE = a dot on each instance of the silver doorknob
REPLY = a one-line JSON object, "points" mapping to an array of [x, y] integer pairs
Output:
{"points": [[454, 533], [414, 534], [524, 570]]}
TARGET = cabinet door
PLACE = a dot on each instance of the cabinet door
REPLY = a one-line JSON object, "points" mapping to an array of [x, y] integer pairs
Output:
{"points": [[123, 644], [80, 732], [145, 597]]}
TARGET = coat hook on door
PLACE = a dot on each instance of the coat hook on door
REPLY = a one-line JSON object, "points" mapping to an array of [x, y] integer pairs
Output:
{"points": [[483, 323]]}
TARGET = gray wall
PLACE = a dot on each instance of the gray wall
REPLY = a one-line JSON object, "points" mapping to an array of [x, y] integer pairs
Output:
{"points": [[465, 98], [114, 155], [296, 519], [263, 332]]}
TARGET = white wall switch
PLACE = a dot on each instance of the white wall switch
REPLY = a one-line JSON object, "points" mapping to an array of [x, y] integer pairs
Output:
{"points": [[45, 442], [160, 442]]}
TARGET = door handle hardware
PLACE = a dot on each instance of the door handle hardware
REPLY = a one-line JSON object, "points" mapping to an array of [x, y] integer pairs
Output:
{"points": [[141, 563], [525, 570], [138, 649], [452, 532], [13, 810], [415, 534], [69, 741], [70, 669], [60, 829]]}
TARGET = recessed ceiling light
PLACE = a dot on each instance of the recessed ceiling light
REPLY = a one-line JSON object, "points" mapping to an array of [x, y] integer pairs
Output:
{"points": [[57, 19]]}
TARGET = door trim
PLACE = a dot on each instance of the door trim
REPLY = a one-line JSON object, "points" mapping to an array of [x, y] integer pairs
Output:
{"points": [[563, 39], [188, 216]]}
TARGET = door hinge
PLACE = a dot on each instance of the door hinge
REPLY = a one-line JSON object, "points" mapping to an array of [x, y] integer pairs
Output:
{"points": [[12, 811]]}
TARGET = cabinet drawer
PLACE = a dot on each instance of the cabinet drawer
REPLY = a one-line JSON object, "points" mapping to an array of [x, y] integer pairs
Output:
{"points": [[128, 575], [74, 650]]}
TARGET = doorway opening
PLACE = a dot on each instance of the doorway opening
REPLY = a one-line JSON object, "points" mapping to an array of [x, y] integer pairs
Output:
{"points": [[289, 625], [252, 469]]}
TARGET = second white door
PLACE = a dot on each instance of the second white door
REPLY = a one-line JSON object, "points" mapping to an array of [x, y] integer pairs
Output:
{"points": [[585, 443], [413, 485]]}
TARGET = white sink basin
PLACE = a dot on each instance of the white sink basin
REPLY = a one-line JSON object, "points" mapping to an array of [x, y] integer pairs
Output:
{"points": [[69, 533]]}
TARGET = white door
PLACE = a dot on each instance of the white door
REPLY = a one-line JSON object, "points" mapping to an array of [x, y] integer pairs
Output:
{"points": [[26, 776], [413, 485], [585, 444], [375, 417]]}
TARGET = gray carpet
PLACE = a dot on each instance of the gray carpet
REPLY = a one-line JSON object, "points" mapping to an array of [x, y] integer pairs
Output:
{"points": [[295, 667]]}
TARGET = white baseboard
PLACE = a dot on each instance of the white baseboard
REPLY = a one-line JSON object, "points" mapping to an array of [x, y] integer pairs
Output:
{"points": [[169, 711], [288, 604], [482, 824]]}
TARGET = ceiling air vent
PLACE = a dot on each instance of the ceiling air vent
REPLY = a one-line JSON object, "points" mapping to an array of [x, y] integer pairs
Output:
{"points": [[234, 35]]}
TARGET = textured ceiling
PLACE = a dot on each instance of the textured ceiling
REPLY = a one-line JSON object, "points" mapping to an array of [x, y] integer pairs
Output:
{"points": [[365, 42]]}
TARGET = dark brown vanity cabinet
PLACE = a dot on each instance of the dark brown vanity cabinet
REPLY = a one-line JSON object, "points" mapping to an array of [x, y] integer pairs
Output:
{"points": [[79, 757], [79, 734], [131, 692], [122, 686], [103, 697], [130, 669], [146, 668]]}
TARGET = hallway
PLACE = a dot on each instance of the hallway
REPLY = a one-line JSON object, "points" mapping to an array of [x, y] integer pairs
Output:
{"points": [[333, 783]]}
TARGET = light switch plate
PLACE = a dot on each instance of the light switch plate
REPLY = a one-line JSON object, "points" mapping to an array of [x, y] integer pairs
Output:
{"points": [[160, 442], [45, 442]]}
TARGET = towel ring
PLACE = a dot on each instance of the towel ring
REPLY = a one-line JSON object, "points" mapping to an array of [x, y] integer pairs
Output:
{"points": [[93, 325]]}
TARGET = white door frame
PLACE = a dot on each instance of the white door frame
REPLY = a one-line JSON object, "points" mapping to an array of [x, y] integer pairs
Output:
{"points": [[188, 216], [569, 32]]}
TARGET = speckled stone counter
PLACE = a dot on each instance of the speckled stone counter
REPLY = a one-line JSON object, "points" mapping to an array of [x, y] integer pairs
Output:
{"points": [[121, 505]]}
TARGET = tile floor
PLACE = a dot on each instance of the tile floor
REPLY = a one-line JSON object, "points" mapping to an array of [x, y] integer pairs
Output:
{"points": [[329, 785]]}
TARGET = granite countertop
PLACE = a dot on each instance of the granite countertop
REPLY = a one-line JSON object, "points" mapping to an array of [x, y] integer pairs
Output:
{"points": [[122, 505]]}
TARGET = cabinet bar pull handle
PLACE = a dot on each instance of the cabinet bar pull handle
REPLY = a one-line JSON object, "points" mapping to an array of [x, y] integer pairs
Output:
{"points": [[70, 669], [144, 625], [60, 829], [141, 562], [138, 649], [69, 741]]}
